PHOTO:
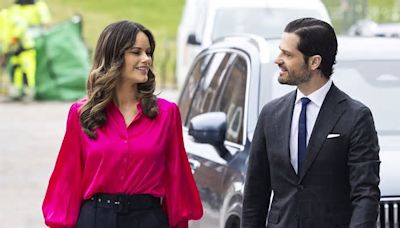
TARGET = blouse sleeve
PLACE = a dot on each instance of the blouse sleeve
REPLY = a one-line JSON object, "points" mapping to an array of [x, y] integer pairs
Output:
{"points": [[63, 197], [182, 200]]}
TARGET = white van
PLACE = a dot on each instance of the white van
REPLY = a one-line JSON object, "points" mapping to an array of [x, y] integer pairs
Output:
{"points": [[206, 20]]}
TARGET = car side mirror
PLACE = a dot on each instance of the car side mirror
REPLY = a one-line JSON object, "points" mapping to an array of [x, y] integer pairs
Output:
{"points": [[193, 40], [210, 128]]}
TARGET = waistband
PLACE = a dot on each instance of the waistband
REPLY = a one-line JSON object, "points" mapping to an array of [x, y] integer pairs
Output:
{"points": [[125, 203]]}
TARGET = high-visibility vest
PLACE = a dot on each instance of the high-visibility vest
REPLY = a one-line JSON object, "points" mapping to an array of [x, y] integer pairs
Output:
{"points": [[36, 14], [21, 25], [12, 27], [4, 31], [17, 34]]}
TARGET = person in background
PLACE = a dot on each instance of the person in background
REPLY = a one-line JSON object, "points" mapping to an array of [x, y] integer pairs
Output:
{"points": [[315, 148], [28, 19], [122, 162], [36, 12], [4, 30]]}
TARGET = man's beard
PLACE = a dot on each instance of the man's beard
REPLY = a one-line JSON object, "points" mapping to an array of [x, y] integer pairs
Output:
{"points": [[296, 78]]}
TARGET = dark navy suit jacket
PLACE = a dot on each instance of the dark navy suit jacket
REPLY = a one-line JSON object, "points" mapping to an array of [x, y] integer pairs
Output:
{"points": [[338, 183]]}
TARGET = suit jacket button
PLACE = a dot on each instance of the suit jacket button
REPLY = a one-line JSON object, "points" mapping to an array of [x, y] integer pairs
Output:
{"points": [[300, 187]]}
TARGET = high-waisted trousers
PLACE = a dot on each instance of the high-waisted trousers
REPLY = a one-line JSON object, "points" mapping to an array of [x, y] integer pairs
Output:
{"points": [[122, 211]]}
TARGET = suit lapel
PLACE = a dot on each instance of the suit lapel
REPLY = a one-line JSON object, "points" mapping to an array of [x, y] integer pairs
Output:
{"points": [[329, 114], [283, 123]]}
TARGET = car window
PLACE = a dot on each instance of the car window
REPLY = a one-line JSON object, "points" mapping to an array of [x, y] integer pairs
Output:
{"points": [[208, 86], [191, 85], [232, 98]]}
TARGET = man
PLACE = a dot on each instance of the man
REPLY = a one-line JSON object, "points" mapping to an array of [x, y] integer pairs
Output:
{"points": [[315, 148]]}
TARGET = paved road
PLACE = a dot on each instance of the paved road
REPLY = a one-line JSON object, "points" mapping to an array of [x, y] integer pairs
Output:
{"points": [[30, 136]]}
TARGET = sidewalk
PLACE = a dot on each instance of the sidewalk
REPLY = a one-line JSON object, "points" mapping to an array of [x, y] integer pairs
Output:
{"points": [[30, 137]]}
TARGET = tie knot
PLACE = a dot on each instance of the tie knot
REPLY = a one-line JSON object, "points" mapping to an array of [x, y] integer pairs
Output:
{"points": [[305, 101]]}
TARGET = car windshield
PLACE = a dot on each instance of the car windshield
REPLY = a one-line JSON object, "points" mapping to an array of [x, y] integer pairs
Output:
{"points": [[266, 22], [374, 83]]}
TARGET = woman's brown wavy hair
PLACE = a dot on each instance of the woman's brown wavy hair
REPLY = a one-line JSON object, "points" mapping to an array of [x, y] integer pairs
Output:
{"points": [[108, 61]]}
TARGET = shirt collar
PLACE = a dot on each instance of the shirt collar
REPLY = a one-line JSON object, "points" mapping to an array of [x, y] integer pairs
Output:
{"points": [[318, 96], [114, 108]]}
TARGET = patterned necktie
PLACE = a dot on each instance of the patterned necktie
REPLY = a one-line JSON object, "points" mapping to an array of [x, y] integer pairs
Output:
{"points": [[302, 137]]}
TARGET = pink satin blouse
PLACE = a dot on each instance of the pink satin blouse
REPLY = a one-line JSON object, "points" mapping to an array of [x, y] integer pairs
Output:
{"points": [[147, 157]]}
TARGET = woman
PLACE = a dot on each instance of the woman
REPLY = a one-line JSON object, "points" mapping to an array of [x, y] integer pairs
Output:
{"points": [[122, 162]]}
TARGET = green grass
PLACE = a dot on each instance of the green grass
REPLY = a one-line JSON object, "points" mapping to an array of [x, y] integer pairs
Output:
{"points": [[160, 16]]}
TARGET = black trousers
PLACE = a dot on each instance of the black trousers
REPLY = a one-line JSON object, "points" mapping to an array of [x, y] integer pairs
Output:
{"points": [[122, 211]]}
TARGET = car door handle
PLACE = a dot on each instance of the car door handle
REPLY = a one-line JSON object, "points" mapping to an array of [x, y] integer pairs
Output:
{"points": [[194, 164]]}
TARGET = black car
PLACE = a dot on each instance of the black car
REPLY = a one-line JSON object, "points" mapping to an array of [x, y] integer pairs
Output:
{"points": [[229, 83]]}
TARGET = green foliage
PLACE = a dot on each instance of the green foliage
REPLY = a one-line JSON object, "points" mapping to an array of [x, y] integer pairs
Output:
{"points": [[384, 10], [344, 13]]}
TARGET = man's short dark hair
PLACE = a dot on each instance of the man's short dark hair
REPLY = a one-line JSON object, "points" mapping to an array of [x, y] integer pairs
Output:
{"points": [[316, 38]]}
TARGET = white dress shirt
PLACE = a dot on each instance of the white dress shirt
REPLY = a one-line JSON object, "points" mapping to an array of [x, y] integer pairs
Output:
{"points": [[317, 98]]}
